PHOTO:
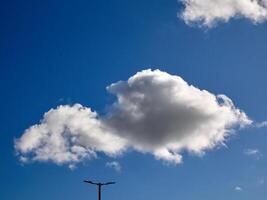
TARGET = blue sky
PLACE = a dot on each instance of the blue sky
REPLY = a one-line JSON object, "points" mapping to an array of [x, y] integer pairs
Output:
{"points": [[65, 52]]}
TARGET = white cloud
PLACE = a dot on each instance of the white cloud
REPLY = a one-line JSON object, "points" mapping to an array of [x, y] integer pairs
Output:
{"points": [[155, 113], [238, 188], [114, 165], [261, 124], [253, 152], [68, 135], [162, 114], [209, 12]]}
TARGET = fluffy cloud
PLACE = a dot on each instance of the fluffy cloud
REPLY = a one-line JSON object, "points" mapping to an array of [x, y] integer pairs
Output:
{"points": [[208, 12], [114, 165], [155, 113], [67, 135]]}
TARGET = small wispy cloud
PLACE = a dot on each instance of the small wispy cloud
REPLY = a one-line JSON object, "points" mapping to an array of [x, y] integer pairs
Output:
{"points": [[114, 165], [261, 181], [253, 152], [261, 124], [238, 188], [72, 167]]}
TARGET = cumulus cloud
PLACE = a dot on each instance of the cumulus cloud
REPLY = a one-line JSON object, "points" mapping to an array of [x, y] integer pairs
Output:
{"points": [[155, 113], [68, 135], [114, 165], [209, 12]]}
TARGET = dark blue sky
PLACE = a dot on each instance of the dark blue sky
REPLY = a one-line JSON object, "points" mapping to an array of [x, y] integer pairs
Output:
{"points": [[64, 52]]}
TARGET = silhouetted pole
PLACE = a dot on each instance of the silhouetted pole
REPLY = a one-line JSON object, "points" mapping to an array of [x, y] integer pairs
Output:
{"points": [[99, 192], [99, 186]]}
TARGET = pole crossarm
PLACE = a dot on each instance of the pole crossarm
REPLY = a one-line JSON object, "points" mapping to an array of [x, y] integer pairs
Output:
{"points": [[99, 186], [93, 183]]}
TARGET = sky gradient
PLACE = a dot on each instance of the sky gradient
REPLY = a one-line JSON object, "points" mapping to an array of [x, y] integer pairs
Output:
{"points": [[58, 53]]}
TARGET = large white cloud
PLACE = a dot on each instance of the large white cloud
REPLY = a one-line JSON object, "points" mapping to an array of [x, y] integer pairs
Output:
{"points": [[208, 12], [155, 113]]}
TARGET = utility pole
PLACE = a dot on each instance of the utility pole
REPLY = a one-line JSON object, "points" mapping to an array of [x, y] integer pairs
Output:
{"points": [[99, 185]]}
